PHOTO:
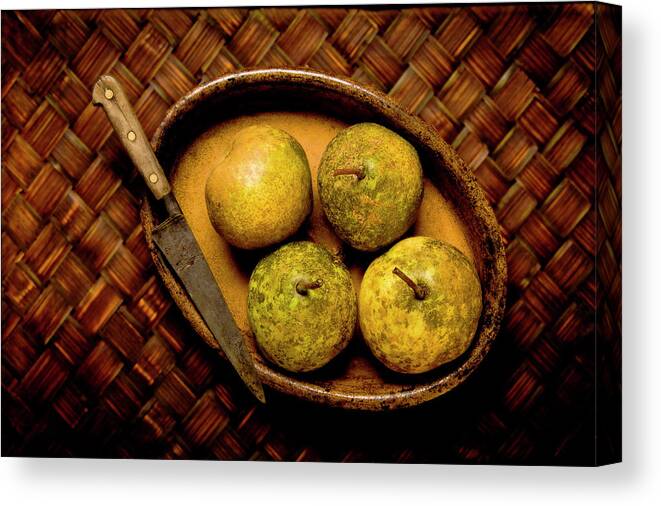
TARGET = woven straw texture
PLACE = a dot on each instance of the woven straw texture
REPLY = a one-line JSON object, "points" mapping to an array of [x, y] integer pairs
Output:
{"points": [[96, 359]]}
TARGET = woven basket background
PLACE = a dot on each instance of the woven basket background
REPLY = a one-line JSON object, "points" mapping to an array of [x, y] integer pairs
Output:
{"points": [[96, 359]]}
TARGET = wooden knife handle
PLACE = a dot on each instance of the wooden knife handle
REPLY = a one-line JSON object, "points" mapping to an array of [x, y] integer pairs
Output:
{"points": [[109, 94]]}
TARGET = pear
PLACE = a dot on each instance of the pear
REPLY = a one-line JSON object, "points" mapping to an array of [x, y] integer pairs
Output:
{"points": [[301, 306], [261, 192], [419, 305], [370, 185]]}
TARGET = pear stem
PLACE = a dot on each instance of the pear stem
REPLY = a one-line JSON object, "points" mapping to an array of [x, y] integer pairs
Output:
{"points": [[358, 172], [302, 287], [419, 291]]}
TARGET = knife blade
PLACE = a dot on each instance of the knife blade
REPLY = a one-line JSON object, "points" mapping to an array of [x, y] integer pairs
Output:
{"points": [[173, 236], [175, 240]]}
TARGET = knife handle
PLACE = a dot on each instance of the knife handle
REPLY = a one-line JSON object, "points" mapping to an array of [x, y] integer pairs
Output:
{"points": [[110, 95]]}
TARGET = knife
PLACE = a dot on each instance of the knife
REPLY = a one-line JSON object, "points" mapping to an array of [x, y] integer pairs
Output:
{"points": [[173, 236]]}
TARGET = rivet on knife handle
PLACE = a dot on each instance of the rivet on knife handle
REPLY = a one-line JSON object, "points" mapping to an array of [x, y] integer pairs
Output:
{"points": [[109, 94]]}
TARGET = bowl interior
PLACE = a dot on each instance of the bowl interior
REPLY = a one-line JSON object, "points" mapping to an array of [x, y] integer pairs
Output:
{"points": [[312, 107]]}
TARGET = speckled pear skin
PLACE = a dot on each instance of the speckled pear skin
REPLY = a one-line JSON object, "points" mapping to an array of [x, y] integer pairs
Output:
{"points": [[261, 193], [374, 211], [301, 332], [410, 335]]}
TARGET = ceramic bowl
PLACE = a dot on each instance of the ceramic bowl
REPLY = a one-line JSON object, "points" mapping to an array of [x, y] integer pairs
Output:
{"points": [[355, 379]]}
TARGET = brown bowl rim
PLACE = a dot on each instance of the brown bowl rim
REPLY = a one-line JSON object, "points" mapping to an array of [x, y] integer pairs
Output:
{"points": [[494, 292]]}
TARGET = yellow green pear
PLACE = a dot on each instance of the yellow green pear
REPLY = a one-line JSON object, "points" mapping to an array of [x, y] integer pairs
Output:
{"points": [[301, 306], [419, 305], [370, 185], [261, 193]]}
